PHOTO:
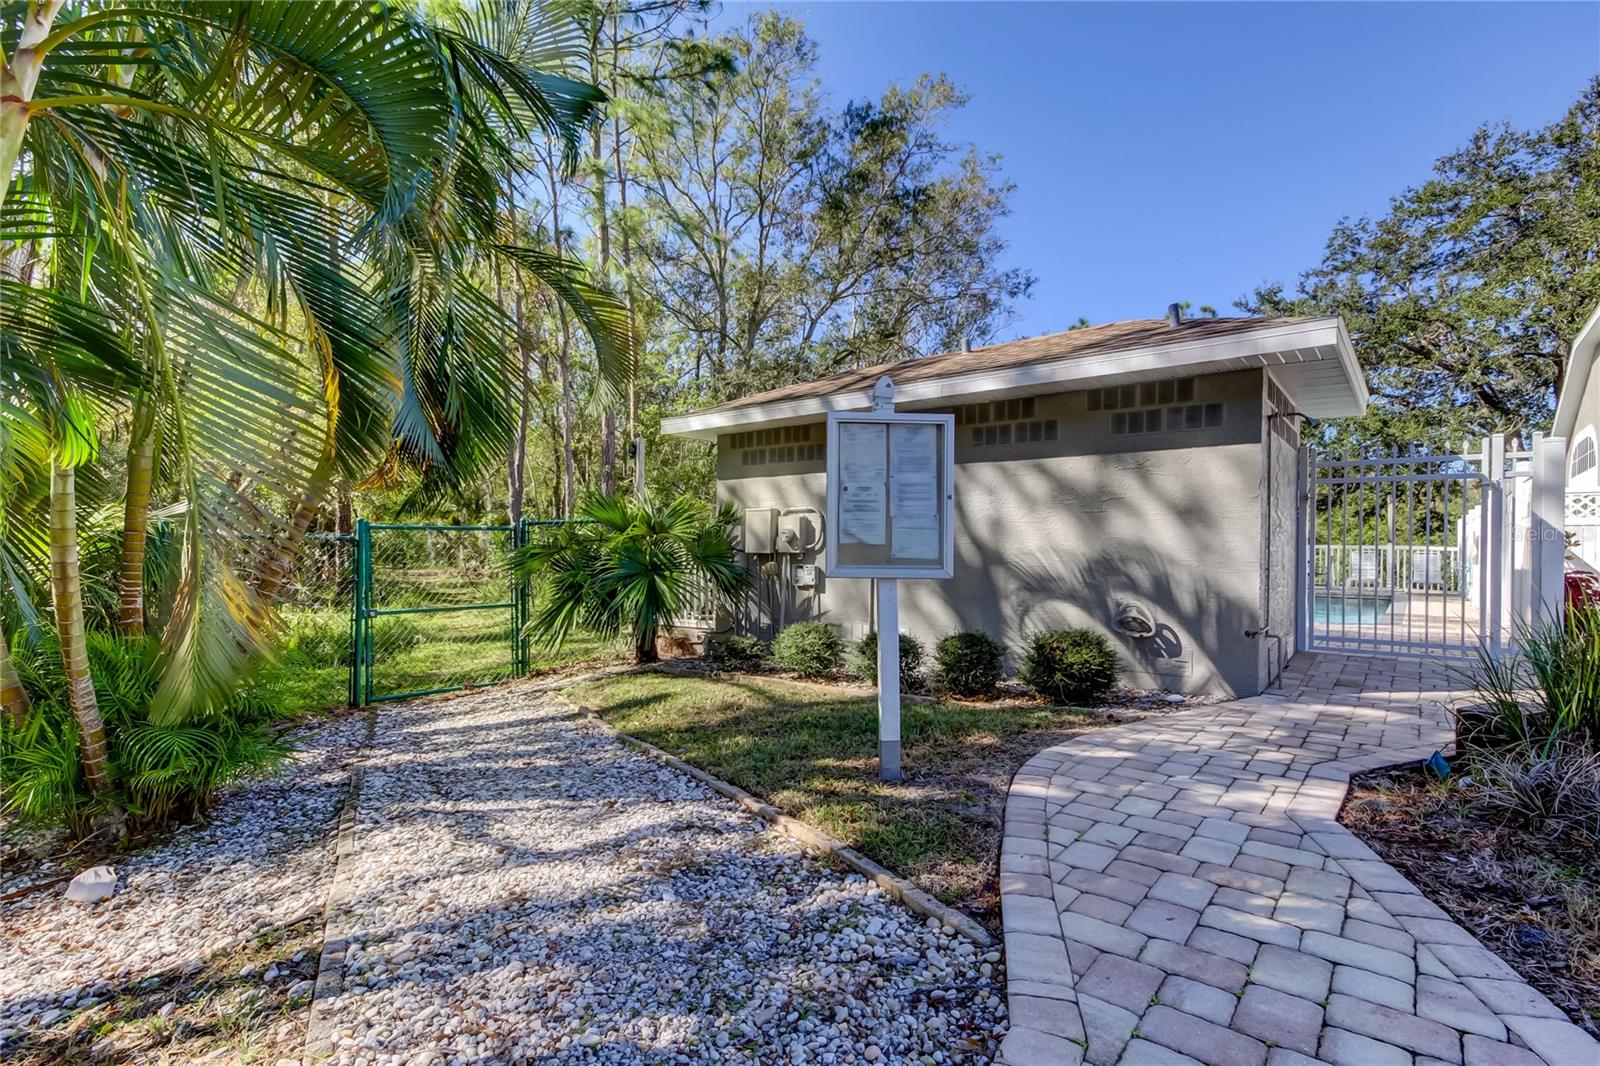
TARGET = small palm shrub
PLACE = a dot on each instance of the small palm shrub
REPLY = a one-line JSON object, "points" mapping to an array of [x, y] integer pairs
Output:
{"points": [[862, 662], [810, 649], [1071, 666], [162, 774], [628, 566], [968, 664], [740, 652]]}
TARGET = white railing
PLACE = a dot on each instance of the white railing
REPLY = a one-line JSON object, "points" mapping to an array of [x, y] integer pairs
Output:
{"points": [[1583, 526], [1388, 566], [701, 606]]}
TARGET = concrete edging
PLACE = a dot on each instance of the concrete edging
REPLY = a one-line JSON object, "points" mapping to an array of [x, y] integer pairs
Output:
{"points": [[907, 893], [335, 923]]}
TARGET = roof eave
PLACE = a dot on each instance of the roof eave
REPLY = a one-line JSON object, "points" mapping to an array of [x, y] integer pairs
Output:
{"points": [[1328, 332], [1580, 363]]}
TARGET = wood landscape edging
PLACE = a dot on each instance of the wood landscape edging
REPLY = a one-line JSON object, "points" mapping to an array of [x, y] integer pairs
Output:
{"points": [[817, 840]]}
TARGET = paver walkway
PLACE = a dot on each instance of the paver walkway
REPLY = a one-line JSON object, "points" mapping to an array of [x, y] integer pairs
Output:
{"points": [[1178, 890]]}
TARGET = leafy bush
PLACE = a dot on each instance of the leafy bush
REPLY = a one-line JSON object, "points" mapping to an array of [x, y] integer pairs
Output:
{"points": [[162, 774], [862, 661], [968, 664], [810, 649], [629, 566], [1071, 666], [740, 652]]}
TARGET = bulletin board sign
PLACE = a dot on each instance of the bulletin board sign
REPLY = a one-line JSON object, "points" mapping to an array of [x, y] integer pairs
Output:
{"points": [[891, 494]]}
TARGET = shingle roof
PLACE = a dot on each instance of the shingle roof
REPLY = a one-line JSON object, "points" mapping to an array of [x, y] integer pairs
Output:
{"points": [[1070, 344]]}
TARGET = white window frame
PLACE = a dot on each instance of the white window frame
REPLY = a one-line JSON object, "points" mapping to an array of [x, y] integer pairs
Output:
{"points": [[1587, 477]]}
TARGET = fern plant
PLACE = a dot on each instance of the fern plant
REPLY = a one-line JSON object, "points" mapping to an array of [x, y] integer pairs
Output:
{"points": [[162, 774]]}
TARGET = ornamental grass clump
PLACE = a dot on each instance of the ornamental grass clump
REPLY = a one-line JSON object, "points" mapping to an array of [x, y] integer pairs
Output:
{"points": [[968, 664], [1529, 744], [810, 649], [1070, 666]]}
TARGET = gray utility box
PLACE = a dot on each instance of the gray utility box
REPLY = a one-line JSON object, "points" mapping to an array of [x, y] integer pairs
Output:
{"points": [[760, 531]]}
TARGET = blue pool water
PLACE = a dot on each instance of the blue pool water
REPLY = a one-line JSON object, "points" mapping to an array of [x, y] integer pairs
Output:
{"points": [[1349, 610]]}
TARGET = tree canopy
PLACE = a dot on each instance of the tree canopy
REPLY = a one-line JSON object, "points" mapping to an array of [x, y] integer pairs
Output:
{"points": [[1462, 299]]}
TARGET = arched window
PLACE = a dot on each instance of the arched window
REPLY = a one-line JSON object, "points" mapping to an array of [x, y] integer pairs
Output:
{"points": [[1583, 455]]}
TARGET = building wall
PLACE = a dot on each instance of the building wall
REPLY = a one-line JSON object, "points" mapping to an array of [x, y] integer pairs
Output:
{"points": [[1281, 503], [1584, 430], [1057, 531]]}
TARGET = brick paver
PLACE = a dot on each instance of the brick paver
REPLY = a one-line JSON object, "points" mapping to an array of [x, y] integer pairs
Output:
{"points": [[1185, 885]]}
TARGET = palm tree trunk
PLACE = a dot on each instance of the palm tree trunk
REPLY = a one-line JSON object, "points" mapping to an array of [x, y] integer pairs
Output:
{"points": [[18, 76], [645, 650], [281, 558], [13, 697], [136, 522], [66, 590]]}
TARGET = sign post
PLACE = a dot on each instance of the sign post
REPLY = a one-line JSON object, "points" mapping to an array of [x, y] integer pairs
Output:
{"points": [[891, 507]]}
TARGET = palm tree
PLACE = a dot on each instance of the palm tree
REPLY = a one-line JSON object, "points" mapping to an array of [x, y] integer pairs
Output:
{"points": [[629, 566], [274, 212]]}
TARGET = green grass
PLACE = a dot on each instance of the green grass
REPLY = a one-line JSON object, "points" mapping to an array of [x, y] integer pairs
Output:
{"points": [[454, 649], [813, 754]]}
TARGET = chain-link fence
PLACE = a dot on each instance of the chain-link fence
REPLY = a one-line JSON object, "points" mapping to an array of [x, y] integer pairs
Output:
{"points": [[439, 609]]}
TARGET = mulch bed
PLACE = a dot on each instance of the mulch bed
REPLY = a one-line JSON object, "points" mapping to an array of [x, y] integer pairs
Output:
{"points": [[1531, 898]]}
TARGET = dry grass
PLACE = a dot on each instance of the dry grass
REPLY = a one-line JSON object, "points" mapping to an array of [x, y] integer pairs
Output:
{"points": [[216, 1013]]}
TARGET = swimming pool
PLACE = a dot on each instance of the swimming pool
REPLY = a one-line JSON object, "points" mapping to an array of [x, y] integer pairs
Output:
{"points": [[1352, 609]]}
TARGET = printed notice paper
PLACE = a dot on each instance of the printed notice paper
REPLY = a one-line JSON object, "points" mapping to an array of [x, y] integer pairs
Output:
{"points": [[863, 479], [914, 491]]}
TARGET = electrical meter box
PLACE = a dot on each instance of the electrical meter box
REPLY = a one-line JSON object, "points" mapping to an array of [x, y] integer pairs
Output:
{"points": [[794, 533], [760, 530]]}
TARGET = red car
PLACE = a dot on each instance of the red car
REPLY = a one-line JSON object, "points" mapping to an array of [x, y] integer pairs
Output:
{"points": [[1583, 588]]}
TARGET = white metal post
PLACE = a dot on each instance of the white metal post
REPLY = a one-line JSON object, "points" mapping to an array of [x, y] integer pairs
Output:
{"points": [[889, 679], [1548, 528], [1497, 566], [888, 640]]}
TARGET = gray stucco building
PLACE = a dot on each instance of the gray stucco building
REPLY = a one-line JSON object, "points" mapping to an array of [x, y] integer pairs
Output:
{"points": [[1150, 464]]}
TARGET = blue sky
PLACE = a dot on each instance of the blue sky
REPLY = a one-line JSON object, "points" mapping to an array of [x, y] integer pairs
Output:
{"points": [[1193, 151]]}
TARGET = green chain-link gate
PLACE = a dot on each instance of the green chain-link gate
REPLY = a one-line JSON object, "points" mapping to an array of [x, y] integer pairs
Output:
{"points": [[436, 609]]}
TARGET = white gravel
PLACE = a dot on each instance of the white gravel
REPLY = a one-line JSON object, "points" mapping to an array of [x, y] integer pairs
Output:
{"points": [[263, 859], [526, 889]]}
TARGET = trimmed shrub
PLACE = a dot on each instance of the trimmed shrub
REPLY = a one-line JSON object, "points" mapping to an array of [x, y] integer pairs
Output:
{"points": [[740, 652], [810, 649], [1071, 666], [862, 661], [968, 664]]}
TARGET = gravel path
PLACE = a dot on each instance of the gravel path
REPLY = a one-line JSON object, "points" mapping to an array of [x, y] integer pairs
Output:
{"points": [[262, 860], [523, 888]]}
